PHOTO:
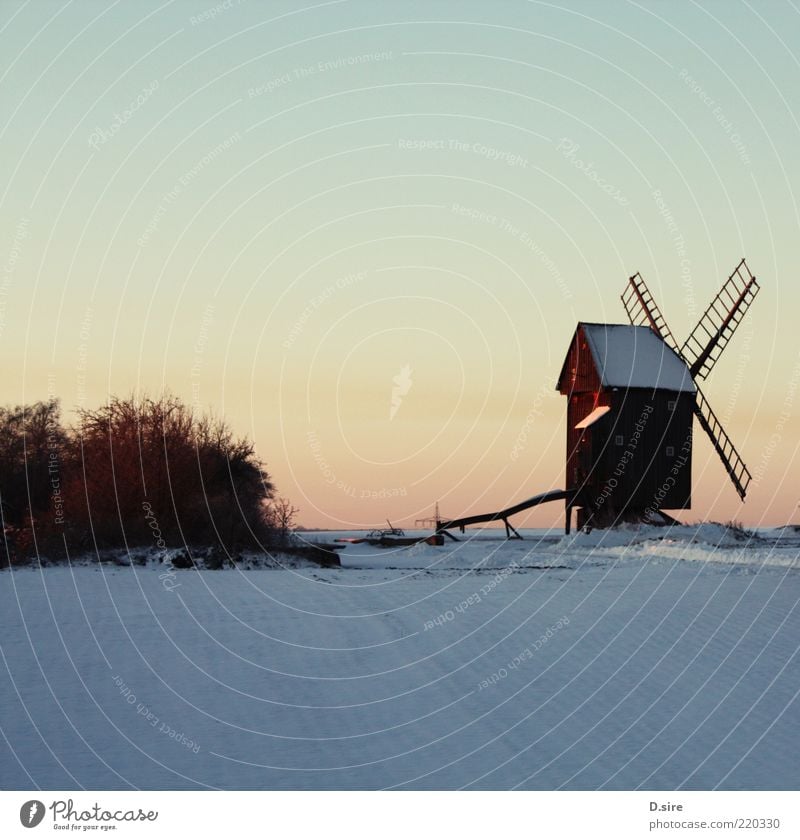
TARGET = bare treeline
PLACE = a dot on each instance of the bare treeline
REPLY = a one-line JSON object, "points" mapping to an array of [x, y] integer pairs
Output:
{"points": [[131, 473]]}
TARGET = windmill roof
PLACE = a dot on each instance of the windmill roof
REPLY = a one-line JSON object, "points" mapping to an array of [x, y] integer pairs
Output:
{"points": [[635, 357]]}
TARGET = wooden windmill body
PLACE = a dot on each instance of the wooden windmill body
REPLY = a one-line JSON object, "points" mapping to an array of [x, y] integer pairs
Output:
{"points": [[632, 396]]}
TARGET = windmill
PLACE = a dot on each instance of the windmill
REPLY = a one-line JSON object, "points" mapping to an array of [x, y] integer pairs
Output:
{"points": [[633, 393], [632, 396]]}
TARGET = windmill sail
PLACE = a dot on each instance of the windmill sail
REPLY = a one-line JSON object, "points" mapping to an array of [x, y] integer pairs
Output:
{"points": [[738, 472], [643, 311], [702, 349], [719, 322]]}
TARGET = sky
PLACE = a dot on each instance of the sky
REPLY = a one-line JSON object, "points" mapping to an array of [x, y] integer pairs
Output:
{"points": [[364, 232]]}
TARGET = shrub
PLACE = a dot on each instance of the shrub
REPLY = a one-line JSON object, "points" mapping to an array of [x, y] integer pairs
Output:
{"points": [[132, 472]]}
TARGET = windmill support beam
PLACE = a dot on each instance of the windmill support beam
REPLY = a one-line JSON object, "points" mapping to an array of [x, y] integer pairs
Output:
{"points": [[503, 515]]}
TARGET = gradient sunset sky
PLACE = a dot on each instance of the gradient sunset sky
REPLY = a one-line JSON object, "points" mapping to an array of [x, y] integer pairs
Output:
{"points": [[364, 232]]}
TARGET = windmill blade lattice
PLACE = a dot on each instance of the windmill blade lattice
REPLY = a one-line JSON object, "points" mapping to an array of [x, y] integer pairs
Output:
{"points": [[719, 322], [702, 349], [643, 311], [735, 466]]}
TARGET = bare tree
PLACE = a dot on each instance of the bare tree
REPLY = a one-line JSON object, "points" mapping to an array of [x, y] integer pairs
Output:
{"points": [[283, 515]]}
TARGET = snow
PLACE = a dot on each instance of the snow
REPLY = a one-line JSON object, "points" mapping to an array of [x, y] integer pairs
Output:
{"points": [[635, 357], [645, 658]]}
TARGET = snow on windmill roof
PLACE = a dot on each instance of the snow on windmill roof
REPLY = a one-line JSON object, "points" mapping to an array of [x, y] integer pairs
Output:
{"points": [[635, 357]]}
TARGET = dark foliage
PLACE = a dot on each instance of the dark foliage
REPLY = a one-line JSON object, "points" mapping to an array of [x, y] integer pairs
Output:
{"points": [[131, 473]]}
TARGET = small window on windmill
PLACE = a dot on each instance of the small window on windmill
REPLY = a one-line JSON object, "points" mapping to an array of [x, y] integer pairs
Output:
{"points": [[671, 405], [670, 451], [619, 440]]}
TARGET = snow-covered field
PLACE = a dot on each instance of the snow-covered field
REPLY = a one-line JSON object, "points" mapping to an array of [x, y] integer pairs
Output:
{"points": [[608, 660]]}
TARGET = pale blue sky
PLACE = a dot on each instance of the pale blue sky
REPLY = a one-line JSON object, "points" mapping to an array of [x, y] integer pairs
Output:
{"points": [[258, 235]]}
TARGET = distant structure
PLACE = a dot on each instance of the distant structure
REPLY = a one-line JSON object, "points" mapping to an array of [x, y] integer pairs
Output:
{"points": [[429, 521], [632, 396]]}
